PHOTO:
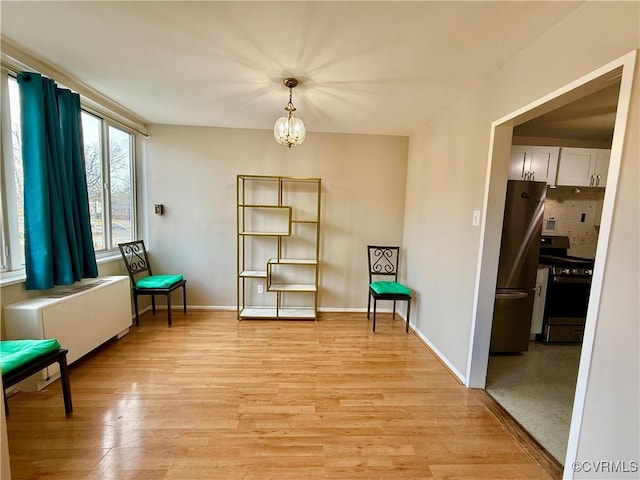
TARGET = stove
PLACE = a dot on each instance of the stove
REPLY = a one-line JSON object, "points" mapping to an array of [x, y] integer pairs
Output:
{"points": [[568, 288]]}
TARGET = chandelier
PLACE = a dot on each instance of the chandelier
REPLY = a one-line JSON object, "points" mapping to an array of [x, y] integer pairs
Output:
{"points": [[289, 130]]}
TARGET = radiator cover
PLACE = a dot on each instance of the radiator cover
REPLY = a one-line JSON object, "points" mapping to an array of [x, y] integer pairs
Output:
{"points": [[81, 317]]}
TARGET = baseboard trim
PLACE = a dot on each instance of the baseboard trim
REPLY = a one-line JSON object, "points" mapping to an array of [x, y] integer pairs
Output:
{"points": [[529, 444], [193, 307], [345, 310], [439, 355], [233, 308], [356, 310]]}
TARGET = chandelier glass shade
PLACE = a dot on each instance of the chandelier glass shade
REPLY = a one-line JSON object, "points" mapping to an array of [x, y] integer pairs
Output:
{"points": [[289, 130]]}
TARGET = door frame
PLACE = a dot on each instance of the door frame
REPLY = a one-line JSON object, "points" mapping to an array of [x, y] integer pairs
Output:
{"points": [[491, 226]]}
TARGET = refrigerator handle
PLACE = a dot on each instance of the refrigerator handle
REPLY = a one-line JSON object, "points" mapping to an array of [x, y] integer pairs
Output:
{"points": [[509, 295]]}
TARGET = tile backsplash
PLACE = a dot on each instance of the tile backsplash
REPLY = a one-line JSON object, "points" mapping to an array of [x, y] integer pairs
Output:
{"points": [[574, 212]]}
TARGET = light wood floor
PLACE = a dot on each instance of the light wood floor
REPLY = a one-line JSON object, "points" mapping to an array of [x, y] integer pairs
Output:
{"points": [[214, 398]]}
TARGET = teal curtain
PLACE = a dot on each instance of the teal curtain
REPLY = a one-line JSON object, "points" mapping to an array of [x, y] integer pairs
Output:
{"points": [[58, 244]]}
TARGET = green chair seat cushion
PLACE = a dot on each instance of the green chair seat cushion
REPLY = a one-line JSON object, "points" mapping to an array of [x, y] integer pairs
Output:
{"points": [[15, 353], [390, 288], [158, 281]]}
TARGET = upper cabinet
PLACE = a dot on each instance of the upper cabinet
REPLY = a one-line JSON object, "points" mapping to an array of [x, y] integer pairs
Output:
{"points": [[602, 167], [583, 167], [534, 163]]}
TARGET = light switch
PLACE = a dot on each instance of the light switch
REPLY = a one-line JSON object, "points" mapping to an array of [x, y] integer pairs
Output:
{"points": [[475, 220]]}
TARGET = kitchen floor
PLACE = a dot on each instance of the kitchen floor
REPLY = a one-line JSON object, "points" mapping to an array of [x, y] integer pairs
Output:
{"points": [[537, 388]]}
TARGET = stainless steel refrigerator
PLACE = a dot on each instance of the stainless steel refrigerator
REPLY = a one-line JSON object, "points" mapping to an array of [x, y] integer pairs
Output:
{"points": [[517, 268]]}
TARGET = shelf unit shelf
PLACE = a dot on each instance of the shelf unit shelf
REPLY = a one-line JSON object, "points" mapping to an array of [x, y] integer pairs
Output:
{"points": [[254, 274], [267, 313], [291, 287], [284, 214], [292, 261], [263, 234]]}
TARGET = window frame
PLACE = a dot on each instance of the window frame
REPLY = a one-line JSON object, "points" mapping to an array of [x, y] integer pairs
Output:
{"points": [[108, 124]]}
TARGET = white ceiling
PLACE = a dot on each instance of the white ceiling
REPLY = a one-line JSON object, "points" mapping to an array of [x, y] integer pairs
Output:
{"points": [[364, 67], [589, 118]]}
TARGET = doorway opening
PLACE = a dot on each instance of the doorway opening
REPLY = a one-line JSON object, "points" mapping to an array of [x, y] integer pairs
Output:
{"points": [[619, 71], [536, 382]]}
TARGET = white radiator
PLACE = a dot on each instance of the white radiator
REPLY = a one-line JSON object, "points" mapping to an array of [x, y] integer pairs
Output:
{"points": [[81, 317]]}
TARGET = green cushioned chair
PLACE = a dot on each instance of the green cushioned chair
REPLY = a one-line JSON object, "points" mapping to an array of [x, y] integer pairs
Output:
{"points": [[144, 282], [383, 262], [19, 359]]}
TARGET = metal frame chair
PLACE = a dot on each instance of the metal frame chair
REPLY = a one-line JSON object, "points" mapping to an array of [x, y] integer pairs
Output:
{"points": [[136, 260], [31, 367], [384, 261]]}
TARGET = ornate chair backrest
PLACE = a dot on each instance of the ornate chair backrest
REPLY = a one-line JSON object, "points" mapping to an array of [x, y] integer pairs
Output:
{"points": [[383, 261], [135, 258]]}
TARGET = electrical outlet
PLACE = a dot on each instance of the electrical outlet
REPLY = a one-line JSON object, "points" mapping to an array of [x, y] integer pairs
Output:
{"points": [[260, 289]]}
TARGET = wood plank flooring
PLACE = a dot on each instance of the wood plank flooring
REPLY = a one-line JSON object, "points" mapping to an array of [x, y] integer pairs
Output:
{"points": [[214, 398]]}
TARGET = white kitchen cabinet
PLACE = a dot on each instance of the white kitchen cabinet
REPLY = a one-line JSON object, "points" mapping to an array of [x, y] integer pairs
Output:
{"points": [[534, 163], [583, 167], [602, 167]]}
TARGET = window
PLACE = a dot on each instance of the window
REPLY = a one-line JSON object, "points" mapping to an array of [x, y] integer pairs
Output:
{"points": [[111, 200], [109, 161], [12, 202], [108, 153], [120, 154]]}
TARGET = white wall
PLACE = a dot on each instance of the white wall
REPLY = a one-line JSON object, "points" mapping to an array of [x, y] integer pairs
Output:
{"points": [[192, 171], [447, 167], [611, 420], [445, 182]]}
